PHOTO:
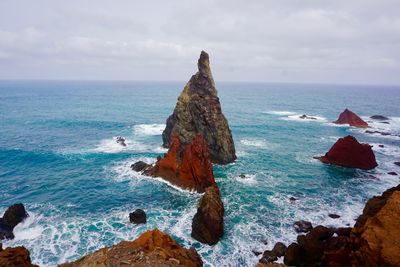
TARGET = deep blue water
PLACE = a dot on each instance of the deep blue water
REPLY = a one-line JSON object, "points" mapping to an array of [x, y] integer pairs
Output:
{"points": [[58, 156]]}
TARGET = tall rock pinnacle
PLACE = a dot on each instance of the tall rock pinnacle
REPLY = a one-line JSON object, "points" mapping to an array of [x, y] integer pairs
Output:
{"points": [[198, 111]]}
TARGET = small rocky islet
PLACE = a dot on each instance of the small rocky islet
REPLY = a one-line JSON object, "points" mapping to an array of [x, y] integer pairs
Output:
{"points": [[197, 136]]}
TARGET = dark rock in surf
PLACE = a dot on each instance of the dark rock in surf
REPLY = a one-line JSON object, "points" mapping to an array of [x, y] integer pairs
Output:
{"points": [[198, 111], [121, 141], [208, 222], [279, 249], [379, 118], [397, 163], [138, 216], [392, 173], [11, 218], [334, 216], [140, 166], [304, 116], [303, 226]]}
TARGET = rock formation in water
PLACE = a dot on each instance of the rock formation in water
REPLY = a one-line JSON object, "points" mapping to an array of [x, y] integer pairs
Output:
{"points": [[15, 257], [186, 165], [12, 216], [208, 222], [379, 118], [348, 152], [198, 111], [152, 248], [373, 241], [352, 119]]}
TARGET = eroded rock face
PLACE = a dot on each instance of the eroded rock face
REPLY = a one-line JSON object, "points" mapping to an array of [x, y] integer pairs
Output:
{"points": [[348, 152], [12, 216], [186, 165], [373, 241], [15, 257], [208, 222], [198, 111], [352, 119], [152, 248]]}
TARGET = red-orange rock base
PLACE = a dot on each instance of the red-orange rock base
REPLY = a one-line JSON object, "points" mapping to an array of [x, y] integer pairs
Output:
{"points": [[352, 119]]}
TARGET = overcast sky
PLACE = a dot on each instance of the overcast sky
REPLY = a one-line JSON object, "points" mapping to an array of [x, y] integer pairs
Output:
{"points": [[340, 41]]}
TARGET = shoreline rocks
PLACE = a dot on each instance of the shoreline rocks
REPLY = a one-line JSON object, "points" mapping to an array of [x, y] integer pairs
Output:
{"points": [[15, 257], [138, 216], [352, 119], [152, 248], [208, 222], [348, 152], [373, 241], [11, 218], [198, 111]]}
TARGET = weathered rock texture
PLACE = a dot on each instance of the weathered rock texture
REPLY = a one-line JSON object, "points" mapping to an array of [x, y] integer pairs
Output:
{"points": [[185, 165], [15, 257], [153, 248], [352, 119], [208, 222], [373, 241], [198, 110], [348, 152], [12, 216]]}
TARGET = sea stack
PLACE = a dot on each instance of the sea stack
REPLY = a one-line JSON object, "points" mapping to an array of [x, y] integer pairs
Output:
{"points": [[348, 152], [208, 222], [152, 248], [198, 111], [352, 119], [186, 165]]}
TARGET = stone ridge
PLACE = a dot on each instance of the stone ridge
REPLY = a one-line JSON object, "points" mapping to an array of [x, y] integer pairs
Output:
{"points": [[198, 111]]}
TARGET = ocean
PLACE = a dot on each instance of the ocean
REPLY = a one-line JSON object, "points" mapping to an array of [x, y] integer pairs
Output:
{"points": [[58, 156]]}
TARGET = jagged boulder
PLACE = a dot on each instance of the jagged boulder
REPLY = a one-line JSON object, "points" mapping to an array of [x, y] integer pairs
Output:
{"points": [[198, 111], [350, 118], [12, 216], [208, 222], [152, 248], [15, 257], [348, 152], [186, 165]]}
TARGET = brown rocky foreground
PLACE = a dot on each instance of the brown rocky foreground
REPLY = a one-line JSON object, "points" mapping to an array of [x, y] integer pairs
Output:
{"points": [[152, 248]]}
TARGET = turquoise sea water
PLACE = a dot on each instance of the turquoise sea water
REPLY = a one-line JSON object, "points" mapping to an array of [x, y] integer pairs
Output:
{"points": [[59, 157]]}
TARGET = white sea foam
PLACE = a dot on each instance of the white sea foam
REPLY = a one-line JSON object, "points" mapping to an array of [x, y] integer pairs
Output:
{"points": [[388, 150], [254, 142], [111, 146], [241, 153], [149, 129], [27, 229], [280, 113], [249, 179], [296, 117]]}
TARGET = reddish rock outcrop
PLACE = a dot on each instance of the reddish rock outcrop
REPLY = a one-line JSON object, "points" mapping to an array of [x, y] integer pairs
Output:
{"points": [[198, 111], [373, 241], [186, 165], [350, 118], [15, 257], [348, 152], [152, 248], [208, 222]]}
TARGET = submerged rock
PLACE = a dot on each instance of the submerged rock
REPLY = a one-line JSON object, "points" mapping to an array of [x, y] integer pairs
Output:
{"points": [[121, 141], [350, 118], [304, 116], [392, 173], [152, 248], [208, 222], [303, 226], [198, 111], [186, 165], [348, 152], [11, 218], [333, 216], [379, 118], [397, 163], [15, 257], [137, 217]]}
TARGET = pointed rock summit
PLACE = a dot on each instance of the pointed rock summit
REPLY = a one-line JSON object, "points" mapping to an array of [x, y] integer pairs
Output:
{"points": [[352, 119], [198, 111], [348, 152]]}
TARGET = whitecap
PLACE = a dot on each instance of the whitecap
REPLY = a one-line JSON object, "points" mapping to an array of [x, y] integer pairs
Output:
{"points": [[28, 229], [254, 142], [280, 113], [249, 179], [111, 146], [296, 117], [149, 129]]}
